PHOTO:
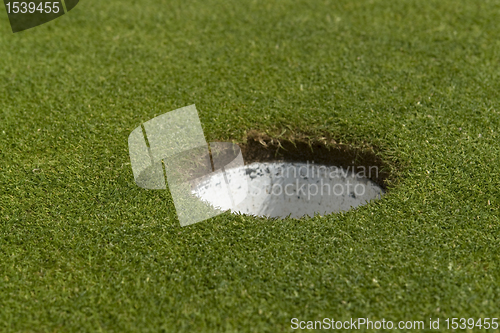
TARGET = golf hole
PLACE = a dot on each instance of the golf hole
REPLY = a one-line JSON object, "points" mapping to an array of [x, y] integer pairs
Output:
{"points": [[296, 178]]}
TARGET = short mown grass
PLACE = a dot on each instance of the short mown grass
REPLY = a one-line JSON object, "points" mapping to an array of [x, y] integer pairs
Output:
{"points": [[82, 248]]}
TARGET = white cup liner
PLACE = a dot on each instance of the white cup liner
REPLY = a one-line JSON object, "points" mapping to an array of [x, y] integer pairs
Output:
{"points": [[281, 189]]}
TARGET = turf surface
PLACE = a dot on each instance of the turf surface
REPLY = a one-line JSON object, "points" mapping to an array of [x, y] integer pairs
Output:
{"points": [[82, 248]]}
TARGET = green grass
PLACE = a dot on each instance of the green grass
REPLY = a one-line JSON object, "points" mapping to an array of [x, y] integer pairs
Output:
{"points": [[82, 248]]}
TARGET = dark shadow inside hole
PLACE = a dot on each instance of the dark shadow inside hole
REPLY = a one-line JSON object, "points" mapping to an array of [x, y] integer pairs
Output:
{"points": [[261, 148]]}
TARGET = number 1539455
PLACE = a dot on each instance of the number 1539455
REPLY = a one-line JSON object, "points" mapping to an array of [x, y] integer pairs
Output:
{"points": [[32, 7]]}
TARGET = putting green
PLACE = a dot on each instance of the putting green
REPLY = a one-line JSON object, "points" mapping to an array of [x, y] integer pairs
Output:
{"points": [[82, 248]]}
